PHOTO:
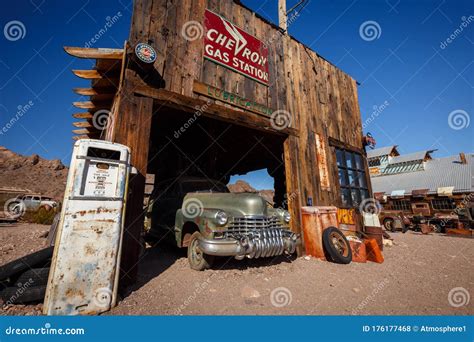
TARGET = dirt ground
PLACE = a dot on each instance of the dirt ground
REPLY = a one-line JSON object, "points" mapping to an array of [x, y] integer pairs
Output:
{"points": [[421, 275]]}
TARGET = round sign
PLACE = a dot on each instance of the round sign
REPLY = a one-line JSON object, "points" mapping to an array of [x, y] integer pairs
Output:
{"points": [[145, 53]]}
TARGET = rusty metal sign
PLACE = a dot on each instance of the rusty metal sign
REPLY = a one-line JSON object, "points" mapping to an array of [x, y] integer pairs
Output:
{"points": [[234, 48], [85, 266]]}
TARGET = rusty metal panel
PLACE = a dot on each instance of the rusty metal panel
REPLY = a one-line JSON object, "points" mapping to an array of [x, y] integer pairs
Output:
{"points": [[421, 208], [85, 266], [322, 162]]}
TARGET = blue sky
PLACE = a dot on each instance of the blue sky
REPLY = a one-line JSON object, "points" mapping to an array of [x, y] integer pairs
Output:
{"points": [[414, 83]]}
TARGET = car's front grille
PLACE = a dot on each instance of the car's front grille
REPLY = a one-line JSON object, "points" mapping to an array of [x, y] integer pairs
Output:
{"points": [[254, 224]]}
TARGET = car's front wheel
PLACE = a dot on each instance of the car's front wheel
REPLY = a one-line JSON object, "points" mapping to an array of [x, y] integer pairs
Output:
{"points": [[196, 257], [389, 225]]}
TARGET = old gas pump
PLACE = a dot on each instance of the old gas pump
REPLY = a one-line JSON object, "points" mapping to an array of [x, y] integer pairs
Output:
{"points": [[86, 260]]}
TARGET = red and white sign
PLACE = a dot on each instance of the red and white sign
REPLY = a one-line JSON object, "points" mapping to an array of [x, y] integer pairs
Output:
{"points": [[229, 45]]}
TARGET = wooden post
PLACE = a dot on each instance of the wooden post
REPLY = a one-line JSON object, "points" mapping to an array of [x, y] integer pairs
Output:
{"points": [[131, 127], [282, 16]]}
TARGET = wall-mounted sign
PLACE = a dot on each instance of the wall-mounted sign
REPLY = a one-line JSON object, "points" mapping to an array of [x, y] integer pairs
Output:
{"points": [[231, 98], [232, 47], [145, 53]]}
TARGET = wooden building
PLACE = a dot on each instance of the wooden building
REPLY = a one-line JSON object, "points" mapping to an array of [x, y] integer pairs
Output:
{"points": [[226, 92], [419, 184]]}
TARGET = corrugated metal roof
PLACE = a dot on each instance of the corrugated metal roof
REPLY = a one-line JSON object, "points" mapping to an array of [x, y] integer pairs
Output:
{"points": [[409, 157], [383, 151], [438, 172]]}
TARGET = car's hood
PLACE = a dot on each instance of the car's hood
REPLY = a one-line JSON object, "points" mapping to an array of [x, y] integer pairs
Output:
{"points": [[242, 204]]}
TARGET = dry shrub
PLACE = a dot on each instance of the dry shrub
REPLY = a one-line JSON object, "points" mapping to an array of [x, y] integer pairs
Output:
{"points": [[40, 216]]}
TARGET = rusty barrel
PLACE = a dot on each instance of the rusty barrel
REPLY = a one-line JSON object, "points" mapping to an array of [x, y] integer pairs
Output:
{"points": [[375, 233], [315, 220]]}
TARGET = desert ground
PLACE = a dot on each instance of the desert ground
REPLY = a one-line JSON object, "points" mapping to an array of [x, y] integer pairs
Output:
{"points": [[416, 278]]}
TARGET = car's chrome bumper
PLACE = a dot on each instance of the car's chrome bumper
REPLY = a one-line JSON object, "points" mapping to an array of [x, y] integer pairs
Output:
{"points": [[266, 246]]}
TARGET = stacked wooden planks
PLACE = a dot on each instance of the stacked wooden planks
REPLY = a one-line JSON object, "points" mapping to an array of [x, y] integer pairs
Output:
{"points": [[105, 80]]}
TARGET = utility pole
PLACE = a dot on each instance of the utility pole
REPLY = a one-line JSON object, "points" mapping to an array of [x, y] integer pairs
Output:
{"points": [[282, 15]]}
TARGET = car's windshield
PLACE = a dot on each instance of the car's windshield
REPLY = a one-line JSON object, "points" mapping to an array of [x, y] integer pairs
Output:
{"points": [[203, 186]]}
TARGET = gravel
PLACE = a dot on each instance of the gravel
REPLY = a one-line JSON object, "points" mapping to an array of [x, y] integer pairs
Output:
{"points": [[417, 277]]}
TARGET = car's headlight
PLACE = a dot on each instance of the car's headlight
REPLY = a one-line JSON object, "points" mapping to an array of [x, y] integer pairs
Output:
{"points": [[286, 217], [221, 218]]}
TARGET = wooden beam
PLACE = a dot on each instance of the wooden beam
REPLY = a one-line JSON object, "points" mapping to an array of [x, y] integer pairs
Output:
{"points": [[215, 111], [85, 91], [83, 124], [93, 106], [98, 53], [94, 91], [85, 115], [85, 131], [77, 137], [88, 74]]}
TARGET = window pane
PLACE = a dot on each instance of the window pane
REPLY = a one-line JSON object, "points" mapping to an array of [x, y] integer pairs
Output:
{"points": [[362, 180], [340, 157], [359, 161], [343, 177], [348, 158], [355, 197], [354, 182], [346, 197], [364, 194]]}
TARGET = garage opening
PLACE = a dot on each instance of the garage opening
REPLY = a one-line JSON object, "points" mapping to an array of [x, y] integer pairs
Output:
{"points": [[189, 150]]}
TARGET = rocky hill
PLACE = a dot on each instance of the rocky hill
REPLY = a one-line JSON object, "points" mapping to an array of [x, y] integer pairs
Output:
{"points": [[243, 186], [47, 177]]}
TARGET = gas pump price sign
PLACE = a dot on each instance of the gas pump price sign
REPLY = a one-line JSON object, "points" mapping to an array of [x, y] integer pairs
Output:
{"points": [[101, 180]]}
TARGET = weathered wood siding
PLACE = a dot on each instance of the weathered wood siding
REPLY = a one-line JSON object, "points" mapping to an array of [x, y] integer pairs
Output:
{"points": [[321, 98]]}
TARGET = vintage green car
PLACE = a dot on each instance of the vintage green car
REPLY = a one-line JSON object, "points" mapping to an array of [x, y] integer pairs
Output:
{"points": [[205, 217]]}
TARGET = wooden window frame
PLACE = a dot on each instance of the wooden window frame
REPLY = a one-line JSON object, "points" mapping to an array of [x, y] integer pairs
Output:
{"points": [[359, 172]]}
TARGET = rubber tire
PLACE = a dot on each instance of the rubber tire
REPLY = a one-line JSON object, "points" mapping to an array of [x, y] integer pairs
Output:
{"points": [[18, 266], [438, 229], [206, 260], [391, 227], [331, 251], [29, 294], [37, 276]]}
